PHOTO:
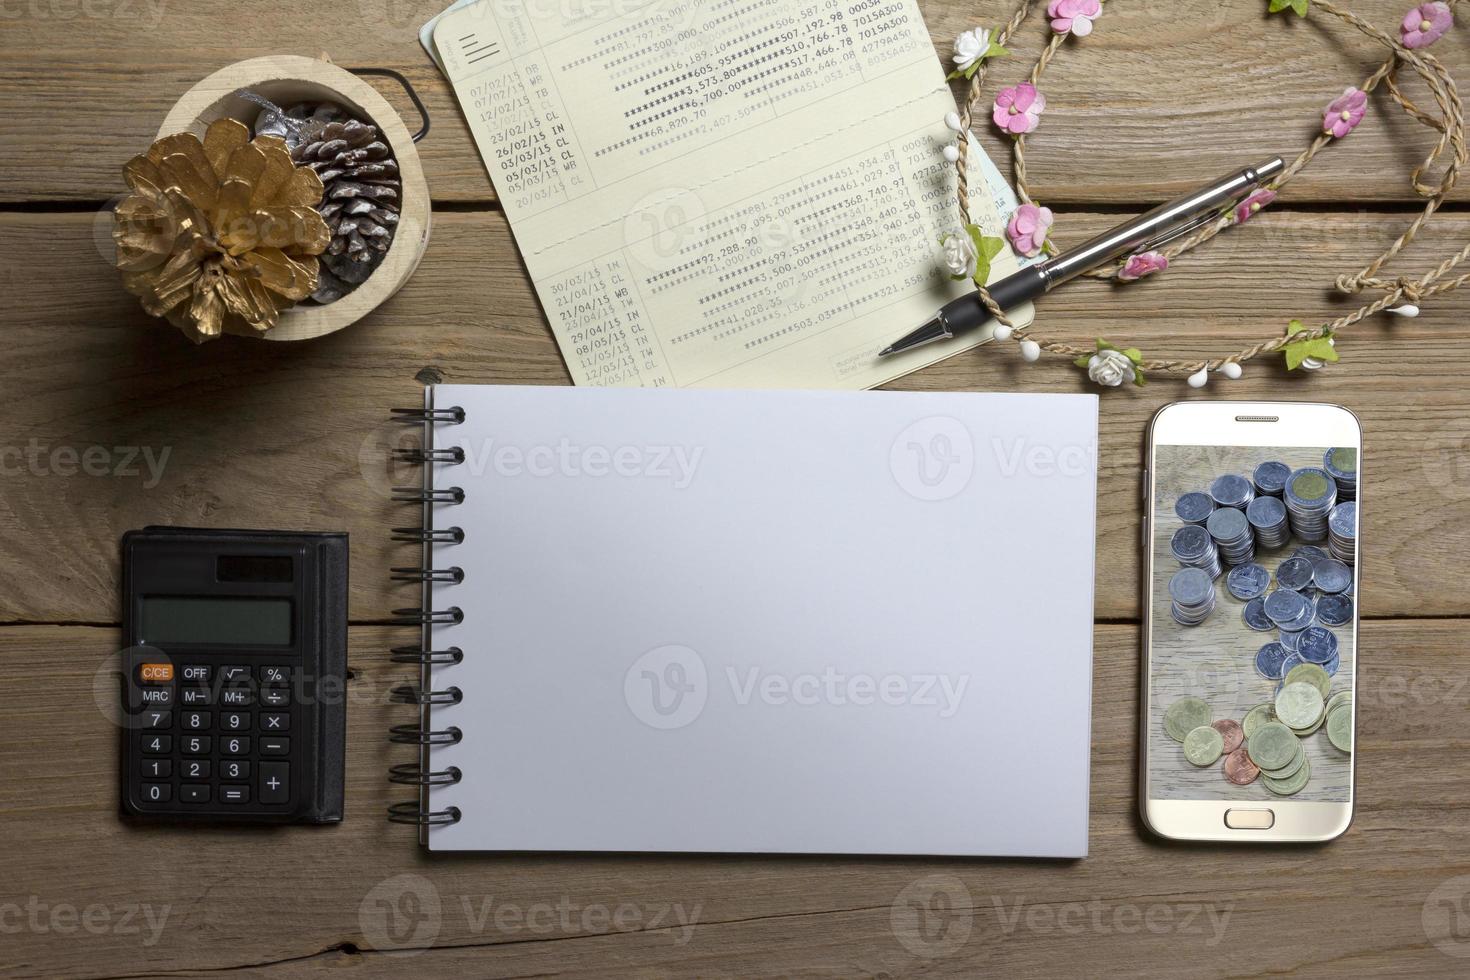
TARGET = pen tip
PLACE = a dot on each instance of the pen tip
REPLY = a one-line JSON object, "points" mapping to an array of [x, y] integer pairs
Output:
{"points": [[886, 351]]}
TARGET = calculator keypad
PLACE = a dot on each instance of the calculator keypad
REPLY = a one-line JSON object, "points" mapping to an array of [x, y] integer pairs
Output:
{"points": [[212, 736]]}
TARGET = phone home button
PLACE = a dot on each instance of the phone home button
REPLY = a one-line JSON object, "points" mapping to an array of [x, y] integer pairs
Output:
{"points": [[1249, 819]]}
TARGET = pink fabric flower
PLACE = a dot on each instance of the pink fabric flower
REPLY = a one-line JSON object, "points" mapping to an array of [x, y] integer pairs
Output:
{"points": [[1074, 16], [1018, 109], [1143, 264], [1252, 204], [1426, 24], [1343, 113], [1029, 227]]}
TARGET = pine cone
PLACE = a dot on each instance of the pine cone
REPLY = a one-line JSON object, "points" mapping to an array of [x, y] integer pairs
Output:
{"points": [[221, 234], [361, 199]]}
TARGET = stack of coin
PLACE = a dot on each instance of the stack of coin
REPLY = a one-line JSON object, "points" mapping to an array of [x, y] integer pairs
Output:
{"points": [[1232, 533], [1232, 490], [1193, 508], [1193, 593], [1270, 478], [1267, 517], [1276, 750], [1310, 495], [1342, 531], [1194, 548], [1342, 465], [1340, 721]]}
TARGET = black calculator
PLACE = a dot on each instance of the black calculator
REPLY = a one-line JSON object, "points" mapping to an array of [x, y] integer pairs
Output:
{"points": [[234, 674]]}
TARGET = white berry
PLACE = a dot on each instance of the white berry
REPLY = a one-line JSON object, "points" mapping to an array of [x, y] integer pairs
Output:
{"points": [[952, 153], [1030, 350], [952, 120], [1199, 378], [1002, 332], [1231, 370], [1403, 309]]}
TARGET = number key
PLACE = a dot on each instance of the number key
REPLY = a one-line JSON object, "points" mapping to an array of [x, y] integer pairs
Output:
{"points": [[195, 721], [234, 745], [157, 792], [157, 744], [194, 769], [157, 768], [233, 770], [157, 719], [234, 721], [194, 744]]}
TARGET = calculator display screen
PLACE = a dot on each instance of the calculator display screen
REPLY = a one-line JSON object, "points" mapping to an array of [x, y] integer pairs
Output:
{"points": [[234, 621]]}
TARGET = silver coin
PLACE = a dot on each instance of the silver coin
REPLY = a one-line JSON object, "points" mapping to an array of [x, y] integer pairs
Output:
{"points": [[1294, 573], [1254, 614], [1288, 609], [1248, 581], [1343, 521], [1232, 490], [1335, 610], [1191, 543], [1332, 576], [1269, 660], [1290, 640], [1270, 478], [1190, 587], [1317, 645], [1193, 508]]}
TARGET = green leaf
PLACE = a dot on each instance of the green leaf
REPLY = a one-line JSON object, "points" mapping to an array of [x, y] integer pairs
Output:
{"points": [[1134, 354], [1298, 351], [1138, 378], [986, 249], [1299, 6], [1103, 344], [1083, 360], [995, 51]]}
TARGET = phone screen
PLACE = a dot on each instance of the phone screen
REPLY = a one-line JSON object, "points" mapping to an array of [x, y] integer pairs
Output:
{"points": [[1253, 624]]}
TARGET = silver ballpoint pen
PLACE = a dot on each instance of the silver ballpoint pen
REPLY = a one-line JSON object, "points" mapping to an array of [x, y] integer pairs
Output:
{"points": [[1150, 231]]}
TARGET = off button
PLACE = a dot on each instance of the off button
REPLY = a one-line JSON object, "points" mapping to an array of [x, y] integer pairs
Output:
{"points": [[1249, 819]]}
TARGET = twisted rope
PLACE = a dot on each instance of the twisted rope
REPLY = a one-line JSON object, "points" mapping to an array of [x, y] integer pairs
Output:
{"points": [[1449, 124]]}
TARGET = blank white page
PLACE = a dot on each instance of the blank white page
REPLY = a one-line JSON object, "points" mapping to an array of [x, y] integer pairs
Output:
{"points": [[818, 622]]}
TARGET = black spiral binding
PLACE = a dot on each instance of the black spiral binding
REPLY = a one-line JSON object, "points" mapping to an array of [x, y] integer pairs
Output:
{"points": [[424, 616]]}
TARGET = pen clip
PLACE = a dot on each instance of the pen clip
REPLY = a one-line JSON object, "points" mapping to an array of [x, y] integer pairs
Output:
{"points": [[1194, 224]]}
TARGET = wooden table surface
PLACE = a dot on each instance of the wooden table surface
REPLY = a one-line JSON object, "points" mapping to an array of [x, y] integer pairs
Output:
{"points": [[1162, 97]]}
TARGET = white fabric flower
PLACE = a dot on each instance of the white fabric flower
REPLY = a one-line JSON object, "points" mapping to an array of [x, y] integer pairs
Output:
{"points": [[959, 254], [1110, 368], [970, 47]]}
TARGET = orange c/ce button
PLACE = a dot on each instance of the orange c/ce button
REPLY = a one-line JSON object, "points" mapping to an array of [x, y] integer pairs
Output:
{"points": [[155, 673]]}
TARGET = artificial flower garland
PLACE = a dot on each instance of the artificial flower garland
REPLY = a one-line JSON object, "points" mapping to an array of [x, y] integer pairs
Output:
{"points": [[1017, 110]]}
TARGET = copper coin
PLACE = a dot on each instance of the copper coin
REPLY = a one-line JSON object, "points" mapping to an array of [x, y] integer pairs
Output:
{"points": [[1239, 768], [1231, 732]]}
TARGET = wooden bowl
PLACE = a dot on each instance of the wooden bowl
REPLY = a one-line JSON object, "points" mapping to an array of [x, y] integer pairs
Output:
{"points": [[289, 79]]}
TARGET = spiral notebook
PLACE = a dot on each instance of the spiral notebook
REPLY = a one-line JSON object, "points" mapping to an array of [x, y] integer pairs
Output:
{"points": [[751, 621]]}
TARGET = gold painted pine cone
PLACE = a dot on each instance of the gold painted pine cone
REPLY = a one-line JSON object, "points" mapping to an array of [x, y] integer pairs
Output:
{"points": [[219, 236]]}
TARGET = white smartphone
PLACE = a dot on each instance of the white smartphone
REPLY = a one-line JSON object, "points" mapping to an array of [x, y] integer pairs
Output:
{"points": [[1250, 621]]}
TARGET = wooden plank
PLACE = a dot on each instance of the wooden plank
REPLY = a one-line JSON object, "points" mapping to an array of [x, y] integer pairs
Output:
{"points": [[1149, 106], [291, 901], [295, 435]]}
